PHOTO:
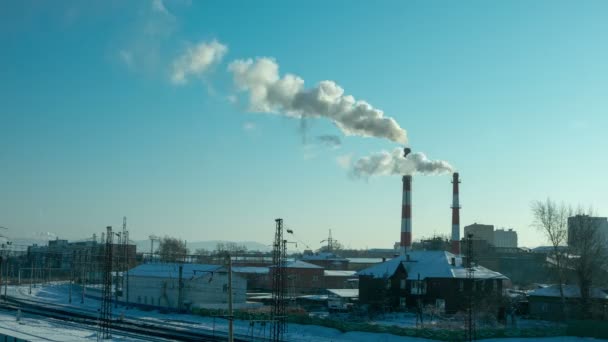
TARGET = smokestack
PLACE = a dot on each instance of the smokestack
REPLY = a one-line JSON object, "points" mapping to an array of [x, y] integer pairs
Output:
{"points": [[406, 212], [455, 215]]}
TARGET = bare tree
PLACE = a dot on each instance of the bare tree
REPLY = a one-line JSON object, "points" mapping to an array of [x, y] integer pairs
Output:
{"points": [[172, 249], [552, 220], [202, 255], [232, 248], [587, 247]]}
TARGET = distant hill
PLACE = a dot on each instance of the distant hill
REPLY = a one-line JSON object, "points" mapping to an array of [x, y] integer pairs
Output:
{"points": [[144, 245]]}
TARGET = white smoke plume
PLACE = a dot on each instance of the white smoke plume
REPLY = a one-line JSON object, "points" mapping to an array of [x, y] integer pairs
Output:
{"points": [[393, 163], [268, 92], [197, 60]]}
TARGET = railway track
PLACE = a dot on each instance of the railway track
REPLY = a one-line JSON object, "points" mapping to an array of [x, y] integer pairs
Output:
{"points": [[132, 327]]}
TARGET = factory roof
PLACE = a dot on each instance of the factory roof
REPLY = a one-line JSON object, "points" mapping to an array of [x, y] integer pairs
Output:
{"points": [[172, 270], [429, 264], [570, 291]]}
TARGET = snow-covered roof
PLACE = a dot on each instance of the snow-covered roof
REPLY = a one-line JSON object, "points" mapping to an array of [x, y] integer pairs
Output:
{"points": [[332, 273], [429, 264], [570, 291], [300, 264], [315, 297], [172, 270], [364, 260], [323, 256], [382, 270], [250, 269], [344, 293]]}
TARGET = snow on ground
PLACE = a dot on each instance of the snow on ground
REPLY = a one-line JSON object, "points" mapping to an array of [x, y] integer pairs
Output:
{"points": [[35, 329], [58, 294]]}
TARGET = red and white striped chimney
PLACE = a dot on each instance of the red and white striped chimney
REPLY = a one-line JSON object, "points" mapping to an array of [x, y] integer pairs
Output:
{"points": [[455, 215], [406, 212]]}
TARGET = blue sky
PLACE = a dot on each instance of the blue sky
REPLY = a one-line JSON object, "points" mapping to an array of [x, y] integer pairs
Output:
{"points": [[512, 94]]}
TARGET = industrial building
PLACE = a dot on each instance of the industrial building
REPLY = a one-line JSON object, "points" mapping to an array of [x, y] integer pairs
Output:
{"points": [[439, 278], [500, 238], [60, 257], [158, 286], [580, 222], [505, 238], [479, 231]]}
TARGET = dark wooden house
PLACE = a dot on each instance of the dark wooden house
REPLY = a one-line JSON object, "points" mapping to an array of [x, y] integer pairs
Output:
{"points": [[437, 278]]}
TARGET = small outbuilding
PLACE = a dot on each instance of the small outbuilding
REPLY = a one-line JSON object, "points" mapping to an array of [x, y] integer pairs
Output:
{"points": [[545, 302]]}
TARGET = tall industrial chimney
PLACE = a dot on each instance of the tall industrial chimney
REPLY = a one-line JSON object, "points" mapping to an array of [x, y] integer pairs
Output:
{"points": [[455, 215], [406, 212]]}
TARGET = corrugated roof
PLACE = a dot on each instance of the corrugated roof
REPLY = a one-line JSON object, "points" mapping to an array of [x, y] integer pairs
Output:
{"points": [[429, 264], [172, 270]]}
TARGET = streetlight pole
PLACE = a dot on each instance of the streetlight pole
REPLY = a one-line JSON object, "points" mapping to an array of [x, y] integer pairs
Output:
{"points": [[230, 312]]}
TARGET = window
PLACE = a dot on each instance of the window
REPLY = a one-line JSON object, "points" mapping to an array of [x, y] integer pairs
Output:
{"points": [[146, 300], [460, 285], [315, 278], [402, 302], [139, 299], [402, 284], [418, 287], [388, 284]]}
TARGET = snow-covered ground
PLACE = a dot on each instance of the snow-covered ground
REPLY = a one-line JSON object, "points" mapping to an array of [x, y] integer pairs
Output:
{"points": [[58, 294], [35, 329]]}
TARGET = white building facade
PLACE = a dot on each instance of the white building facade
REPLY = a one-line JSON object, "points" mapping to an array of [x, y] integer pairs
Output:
{"points": [[157, 285]]}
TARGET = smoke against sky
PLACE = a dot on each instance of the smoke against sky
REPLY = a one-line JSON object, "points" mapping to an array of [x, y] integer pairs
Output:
{"points": [[393, 163], [268, 92], [196, 60]]}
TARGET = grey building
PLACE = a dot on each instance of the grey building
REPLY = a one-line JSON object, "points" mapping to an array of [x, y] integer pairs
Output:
{"points": [[480, 232], [578, 222], [505, 238]]}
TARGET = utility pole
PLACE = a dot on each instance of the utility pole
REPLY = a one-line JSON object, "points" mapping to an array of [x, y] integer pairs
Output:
{"points": [[230, 312], [31, 275], [125, 264], [83, 281], [1, 262], [330, 243], [180, 288], [152, 239], [105, 313], [470, 332], [72, 275], [278, 283]]}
